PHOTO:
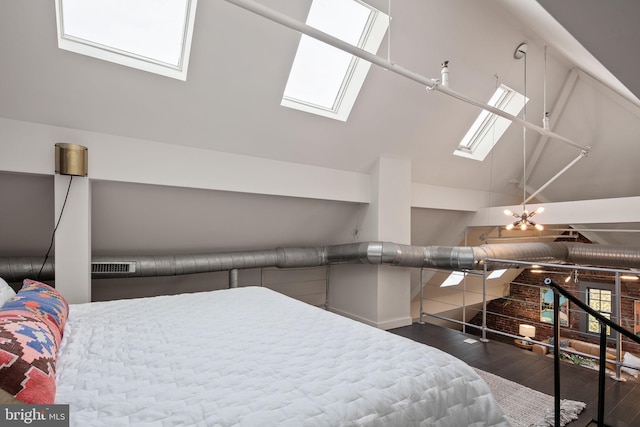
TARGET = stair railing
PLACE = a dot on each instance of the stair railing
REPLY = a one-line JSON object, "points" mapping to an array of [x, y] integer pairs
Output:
{"points": [[603, 322]]}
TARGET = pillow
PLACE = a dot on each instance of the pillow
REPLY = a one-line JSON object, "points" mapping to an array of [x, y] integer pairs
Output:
{"points": [[31, 327], [6, 292], [632, 362], [42, 301], [563, 343]]}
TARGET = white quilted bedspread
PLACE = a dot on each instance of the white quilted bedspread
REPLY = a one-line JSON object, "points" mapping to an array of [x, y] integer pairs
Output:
{"points": [[252, 357]]}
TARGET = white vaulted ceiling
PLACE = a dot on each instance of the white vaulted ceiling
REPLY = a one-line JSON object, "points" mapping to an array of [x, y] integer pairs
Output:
{"points": [[239, 65]]}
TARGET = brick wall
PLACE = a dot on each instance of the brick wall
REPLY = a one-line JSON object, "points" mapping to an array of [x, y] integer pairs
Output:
{"points": [[523, 306]]}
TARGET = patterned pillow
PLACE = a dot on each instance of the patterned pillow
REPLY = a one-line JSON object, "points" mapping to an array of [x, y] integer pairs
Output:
{"points": [[31, 327], [42, 301]]}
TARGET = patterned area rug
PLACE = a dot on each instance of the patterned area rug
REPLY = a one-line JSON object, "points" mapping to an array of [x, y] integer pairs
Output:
{"points": [[524, 407]]}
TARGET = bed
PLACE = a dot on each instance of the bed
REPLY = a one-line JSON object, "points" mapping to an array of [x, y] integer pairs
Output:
{"points": [[247, 357]]}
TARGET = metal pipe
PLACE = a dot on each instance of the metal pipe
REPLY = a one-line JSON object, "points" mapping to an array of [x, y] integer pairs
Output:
{"points": [[484, 305], [327, 278], [556, 356], [421, 296], [582, 155], [233, 278], [602, 255], [459, 258], [431, 84], [601, 373], [618, 314]]}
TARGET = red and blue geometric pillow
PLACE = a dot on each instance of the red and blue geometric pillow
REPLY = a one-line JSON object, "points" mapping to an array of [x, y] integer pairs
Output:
{"points": [[31, 328]]}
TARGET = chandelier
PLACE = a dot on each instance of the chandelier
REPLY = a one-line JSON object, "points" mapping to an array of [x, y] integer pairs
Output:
{"points": [[523, 220]]}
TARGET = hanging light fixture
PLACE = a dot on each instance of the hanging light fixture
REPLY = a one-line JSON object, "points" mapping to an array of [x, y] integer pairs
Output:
{"points": [[523, 220]]}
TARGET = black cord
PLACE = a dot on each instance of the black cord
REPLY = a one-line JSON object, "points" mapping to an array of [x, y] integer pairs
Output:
{"points": [[55, 228]]}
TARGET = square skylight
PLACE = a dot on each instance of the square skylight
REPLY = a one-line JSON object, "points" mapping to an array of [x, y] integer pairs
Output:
{"points": [[325, 80], [496, 274], [488, 127], [453, 279], [149, 35]]}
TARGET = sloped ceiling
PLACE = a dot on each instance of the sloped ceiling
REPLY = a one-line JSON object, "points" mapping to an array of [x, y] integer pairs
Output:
{"points": [[240, 63], [610, 32]]}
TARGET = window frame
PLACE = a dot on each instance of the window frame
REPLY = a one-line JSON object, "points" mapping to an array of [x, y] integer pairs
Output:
{"points": [[585, 287], [356, 73], [129, 59], [488, 128]]}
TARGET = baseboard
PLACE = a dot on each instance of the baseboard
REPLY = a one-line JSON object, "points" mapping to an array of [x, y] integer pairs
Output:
{"points": [[389, 324]]}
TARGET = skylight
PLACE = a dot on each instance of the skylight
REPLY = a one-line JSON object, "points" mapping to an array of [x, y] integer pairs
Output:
{"points": [[325, 80], [453, 279], [496, 273], [150, 35], [488, 127]]}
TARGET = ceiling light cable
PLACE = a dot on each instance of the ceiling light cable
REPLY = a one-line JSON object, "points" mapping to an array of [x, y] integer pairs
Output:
{"points": [[523, 220], [389, 32], [545, 115]]}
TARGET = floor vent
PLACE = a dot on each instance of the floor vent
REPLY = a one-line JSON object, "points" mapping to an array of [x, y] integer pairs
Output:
{"points": [[113, 267]]}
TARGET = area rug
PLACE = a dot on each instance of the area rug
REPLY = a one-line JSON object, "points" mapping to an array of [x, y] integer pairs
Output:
{"points": [[524, 407]]}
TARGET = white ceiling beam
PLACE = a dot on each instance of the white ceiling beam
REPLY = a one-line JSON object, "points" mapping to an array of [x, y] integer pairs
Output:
{"points": [[454, 199], [602, 211]]}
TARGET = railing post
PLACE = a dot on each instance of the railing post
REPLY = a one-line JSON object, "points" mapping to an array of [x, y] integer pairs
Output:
{"points": [[327, 274], [421, 287], [601, 373], [556, 356], [484, 306], [464, 304], [618, 315]]}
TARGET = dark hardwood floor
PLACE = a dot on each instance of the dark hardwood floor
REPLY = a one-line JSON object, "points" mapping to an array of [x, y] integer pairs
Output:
{"points": [[622, 399]]}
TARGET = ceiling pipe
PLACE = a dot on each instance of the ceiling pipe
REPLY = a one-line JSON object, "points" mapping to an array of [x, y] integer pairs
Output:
{"points": [[459, 258], [431, 84], [581, 156]]}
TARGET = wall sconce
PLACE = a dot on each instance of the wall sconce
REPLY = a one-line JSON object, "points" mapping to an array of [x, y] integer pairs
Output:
{"points": [[72, 159]]}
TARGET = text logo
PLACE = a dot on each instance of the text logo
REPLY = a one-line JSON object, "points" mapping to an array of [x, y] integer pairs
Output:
{"points": [[34, 415]]}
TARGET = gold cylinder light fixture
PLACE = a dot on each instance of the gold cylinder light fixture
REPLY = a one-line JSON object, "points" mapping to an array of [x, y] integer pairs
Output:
{"points": [[72, 159]]}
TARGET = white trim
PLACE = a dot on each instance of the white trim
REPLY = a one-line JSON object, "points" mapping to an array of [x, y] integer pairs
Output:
{"points": [[386, 325]]}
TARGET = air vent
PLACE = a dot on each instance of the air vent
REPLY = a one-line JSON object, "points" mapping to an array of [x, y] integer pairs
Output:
{"points": [[113, 267]]}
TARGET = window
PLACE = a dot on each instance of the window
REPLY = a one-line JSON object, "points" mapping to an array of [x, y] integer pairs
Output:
{"points": [[488, 127], [325, 80], [496, 274], [453, 279], [600, 301], [599, 297], [150, 35]]}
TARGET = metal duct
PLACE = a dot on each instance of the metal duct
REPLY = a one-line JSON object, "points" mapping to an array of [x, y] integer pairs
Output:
{"points": [[531, 252], [601, 255], [15, 269]]}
